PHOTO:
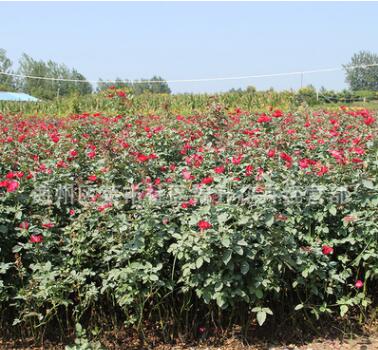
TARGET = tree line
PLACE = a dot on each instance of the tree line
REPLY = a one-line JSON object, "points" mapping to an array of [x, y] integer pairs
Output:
{"points": [[361, 77], [358, 79], [49, 89]]}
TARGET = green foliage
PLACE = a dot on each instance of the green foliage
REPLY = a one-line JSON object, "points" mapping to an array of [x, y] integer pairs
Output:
{"points": [[82, 342], [155, 85], [307, 95], [49, 89], [362, 78], [6, 82], [151, 103], [130, 220]]}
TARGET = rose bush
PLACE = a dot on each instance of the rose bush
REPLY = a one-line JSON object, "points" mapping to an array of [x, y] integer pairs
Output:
{"points": [[199, 219]]}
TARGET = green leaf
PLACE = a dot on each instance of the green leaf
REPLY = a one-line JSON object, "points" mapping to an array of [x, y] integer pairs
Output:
{"points": [[78, 328], [269, 220], [4, 267], [154, 277], [218, 286], [199, 262], [261, 317], [242, 242], [16, 321], [220, 300], [368, 184], [243, 220], [343, 310], [222, 218], [239, 250], [225, 242], [16, 248], [267, 310], [259, 294], [227, 256], [298, 307], [244, 268], [333, 210]]}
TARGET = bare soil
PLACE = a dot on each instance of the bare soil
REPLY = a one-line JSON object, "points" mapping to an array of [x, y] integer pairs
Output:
{"points": [[365, 342]]}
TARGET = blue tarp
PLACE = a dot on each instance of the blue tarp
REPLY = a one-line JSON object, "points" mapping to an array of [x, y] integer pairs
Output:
{"points": [[16, 96]]}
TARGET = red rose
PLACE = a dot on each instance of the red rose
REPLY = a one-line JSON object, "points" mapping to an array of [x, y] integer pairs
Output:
{"points": [[323, 170], [359, 284], [92, 178], [187, 175], [12, 186], [326, 250], [61, 164], [349, 218], [204, 225], [237, 160], [92, 154], [284, 156], [101, 208], [24, 225], [369, 120], [55, 138], [264, 119], [219, 169], [36, 239], [248, 170], [304, 163], [142, 158], [207, 180]]}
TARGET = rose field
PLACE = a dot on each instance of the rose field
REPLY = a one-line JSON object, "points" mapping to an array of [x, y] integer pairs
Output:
{"points": [[183, 225]]}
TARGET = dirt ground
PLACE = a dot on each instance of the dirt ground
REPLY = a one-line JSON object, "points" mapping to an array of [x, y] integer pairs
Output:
{"points": [[359, 339], [365, 343], [359, 343]]}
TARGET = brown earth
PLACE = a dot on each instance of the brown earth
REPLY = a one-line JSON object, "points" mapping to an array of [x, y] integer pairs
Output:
{"points": [[368, 342], [364, 338]]}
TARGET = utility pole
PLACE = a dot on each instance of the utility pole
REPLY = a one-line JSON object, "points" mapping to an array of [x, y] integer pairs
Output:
{"points": [[301, 80]]}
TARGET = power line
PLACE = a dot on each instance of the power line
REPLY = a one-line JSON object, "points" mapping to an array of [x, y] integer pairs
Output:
{"points": [[324, 70]]}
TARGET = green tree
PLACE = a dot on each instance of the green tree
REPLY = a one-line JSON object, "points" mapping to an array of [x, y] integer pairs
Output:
{"points": [[81, 88], [48, 89], [362, 78], [118, 84], [155, 85], [161, 87], [6, 81], [251, 89]]}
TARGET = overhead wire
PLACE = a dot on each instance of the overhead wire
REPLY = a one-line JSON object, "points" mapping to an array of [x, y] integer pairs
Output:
{"points": [[242, 77]]}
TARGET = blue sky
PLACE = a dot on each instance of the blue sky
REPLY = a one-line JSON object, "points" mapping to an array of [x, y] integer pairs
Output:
{"points": [[194, 40]]}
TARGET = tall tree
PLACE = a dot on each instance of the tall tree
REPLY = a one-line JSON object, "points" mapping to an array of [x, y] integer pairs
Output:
{"points": [[48, 89], [118, 84], [6, 81], [362, 78], [158, 86]]}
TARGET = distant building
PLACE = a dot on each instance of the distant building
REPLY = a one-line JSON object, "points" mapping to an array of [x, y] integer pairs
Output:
{"points": [[16, 96]]}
